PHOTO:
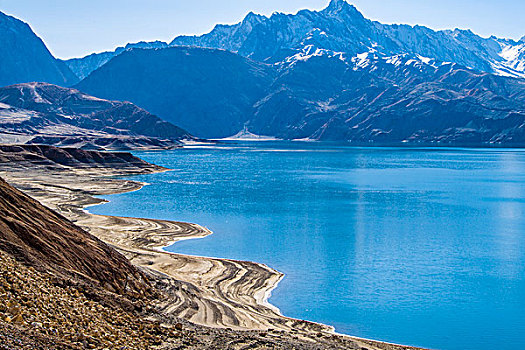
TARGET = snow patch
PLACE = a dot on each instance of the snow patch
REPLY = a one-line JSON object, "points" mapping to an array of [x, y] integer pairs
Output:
{"points": [[310, 51]]}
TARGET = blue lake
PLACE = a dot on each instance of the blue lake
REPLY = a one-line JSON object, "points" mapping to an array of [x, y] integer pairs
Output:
{"points": [[422, 247]]}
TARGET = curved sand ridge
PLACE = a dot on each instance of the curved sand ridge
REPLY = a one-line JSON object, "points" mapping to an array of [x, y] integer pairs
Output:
{"points": [[207, 291]]}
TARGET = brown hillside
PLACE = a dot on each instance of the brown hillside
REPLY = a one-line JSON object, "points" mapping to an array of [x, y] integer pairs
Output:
{"points": [[42, 238]]}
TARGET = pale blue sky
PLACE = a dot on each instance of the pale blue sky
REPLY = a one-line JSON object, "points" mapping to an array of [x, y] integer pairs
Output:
{"points": [[73, 28]]}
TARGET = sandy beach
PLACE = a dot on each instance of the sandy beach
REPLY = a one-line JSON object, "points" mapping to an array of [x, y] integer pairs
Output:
{"points": [[205, 291]]}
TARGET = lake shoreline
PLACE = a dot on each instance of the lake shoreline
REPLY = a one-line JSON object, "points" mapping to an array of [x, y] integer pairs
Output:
{"points": [[265, 292], [238, 301]]}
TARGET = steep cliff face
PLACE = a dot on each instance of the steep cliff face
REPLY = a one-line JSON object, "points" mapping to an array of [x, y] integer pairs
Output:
{"points": [[25, 58]]}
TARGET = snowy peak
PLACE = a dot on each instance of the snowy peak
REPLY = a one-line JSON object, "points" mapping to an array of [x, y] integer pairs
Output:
{"points": [[338, 6], [250, 21], [253, 18], [340, 9], [341, 30]]}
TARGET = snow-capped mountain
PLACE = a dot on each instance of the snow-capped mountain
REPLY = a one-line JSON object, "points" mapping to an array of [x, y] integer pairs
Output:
{"points": [[324, 75], [321, 95], [340, 27]]}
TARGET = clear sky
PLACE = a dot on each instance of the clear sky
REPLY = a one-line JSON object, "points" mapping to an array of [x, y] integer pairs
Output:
{"points": [[73, 28]]}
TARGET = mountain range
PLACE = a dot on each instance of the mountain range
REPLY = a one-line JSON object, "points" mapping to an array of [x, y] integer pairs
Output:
{"points": [[215, 93], [85, 65], [341, 29], [323, 75], [42, 113]]}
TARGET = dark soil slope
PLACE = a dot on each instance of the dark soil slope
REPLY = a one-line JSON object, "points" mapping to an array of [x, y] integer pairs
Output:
{"points": [[42, 238]]}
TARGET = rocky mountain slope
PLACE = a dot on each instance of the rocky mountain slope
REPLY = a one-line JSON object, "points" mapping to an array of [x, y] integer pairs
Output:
{"points": [[374, 100], [61, 287], [369, 99], [43, 313], [25, 58], [41, 238], [210, 92], [341, 28], [48, 114]]}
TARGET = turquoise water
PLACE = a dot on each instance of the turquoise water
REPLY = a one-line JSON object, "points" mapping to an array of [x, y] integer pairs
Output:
{"points": [[416, 246]]}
